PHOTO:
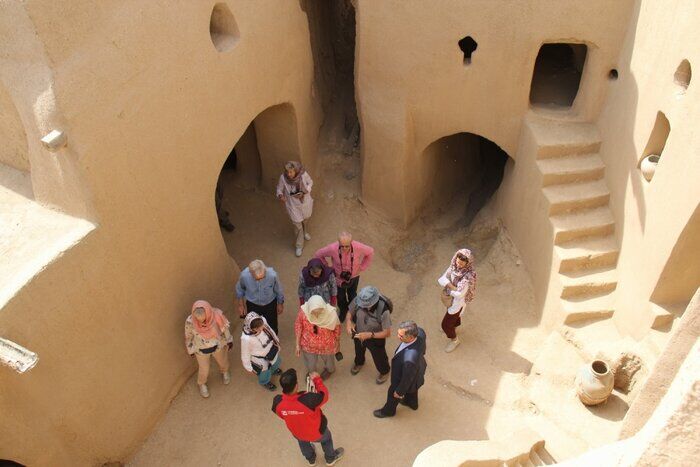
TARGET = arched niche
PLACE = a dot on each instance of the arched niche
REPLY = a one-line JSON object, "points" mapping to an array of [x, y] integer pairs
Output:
{"points": [[223, 28], [683, 75], [658, 136]]}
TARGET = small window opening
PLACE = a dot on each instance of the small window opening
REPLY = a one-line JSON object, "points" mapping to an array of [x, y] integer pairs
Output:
{"points": [[223, 28], [467, 45], [612, 76], [557, 74], [683, 75]]}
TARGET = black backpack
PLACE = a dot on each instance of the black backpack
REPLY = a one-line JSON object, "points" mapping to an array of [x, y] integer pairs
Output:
{"points": [[384, 302]]}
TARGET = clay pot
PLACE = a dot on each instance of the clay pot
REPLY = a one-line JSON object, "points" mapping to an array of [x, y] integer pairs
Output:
{"points": [[594, 383], [648, 166]]}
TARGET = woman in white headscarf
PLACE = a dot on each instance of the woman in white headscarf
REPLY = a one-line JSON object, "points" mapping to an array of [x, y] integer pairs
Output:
{"points": [[317, 330], [294, 190], [260, 349]]}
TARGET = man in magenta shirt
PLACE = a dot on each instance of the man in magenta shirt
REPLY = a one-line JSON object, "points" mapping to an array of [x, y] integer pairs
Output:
{"points": [[348, 258]]}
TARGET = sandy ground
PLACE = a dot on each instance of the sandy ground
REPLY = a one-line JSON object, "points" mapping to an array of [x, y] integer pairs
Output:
{"points": [[471, 393]]}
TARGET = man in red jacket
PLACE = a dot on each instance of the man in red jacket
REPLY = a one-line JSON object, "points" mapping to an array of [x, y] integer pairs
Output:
{"points": [[301, 411]]}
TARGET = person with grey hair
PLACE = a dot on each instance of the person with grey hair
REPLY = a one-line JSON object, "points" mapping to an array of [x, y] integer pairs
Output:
{"points": [[369, 323], [258, 289], [294, 190], [407, 370], [348, 258]]}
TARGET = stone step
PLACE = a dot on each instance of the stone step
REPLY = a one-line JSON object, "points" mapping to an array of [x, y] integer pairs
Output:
{"points": [[576, 309], [535, 459], [587, 223], [545, 456], [570, 169], [570, 197], [587, 253], [587, 282], [557, 138]]}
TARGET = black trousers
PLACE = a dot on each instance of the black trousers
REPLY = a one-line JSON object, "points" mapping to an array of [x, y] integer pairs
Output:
{"points": [[377, 348], [410, 399], [346, 294], [269, 312]]}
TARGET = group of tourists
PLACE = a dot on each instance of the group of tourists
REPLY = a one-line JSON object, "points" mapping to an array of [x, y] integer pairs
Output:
{"points": [[328, 301]]}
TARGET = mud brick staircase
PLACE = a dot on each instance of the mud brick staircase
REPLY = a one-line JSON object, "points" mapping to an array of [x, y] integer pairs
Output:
{"points": [[537, 456], [578, 198]]}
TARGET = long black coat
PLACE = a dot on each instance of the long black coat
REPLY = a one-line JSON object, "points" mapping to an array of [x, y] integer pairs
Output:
{"points": [[408, 366]]}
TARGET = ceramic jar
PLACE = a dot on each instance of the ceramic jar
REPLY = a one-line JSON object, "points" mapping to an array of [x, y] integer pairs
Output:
{"points": [[648, 166], [594, 383]]}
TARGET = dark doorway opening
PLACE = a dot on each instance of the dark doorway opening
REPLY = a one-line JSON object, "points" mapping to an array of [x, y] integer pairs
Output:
{"points": [[332, 31], [6, 463], [465, 169], [467, 45], [557, 75]]}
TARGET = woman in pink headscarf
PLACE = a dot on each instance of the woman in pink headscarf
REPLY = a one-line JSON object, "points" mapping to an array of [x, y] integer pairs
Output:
{"points": [[458, 284], [207, 334]]}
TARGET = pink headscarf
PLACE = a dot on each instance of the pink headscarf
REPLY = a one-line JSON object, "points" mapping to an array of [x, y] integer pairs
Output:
{"points": [[214, 321], [463, 277]]}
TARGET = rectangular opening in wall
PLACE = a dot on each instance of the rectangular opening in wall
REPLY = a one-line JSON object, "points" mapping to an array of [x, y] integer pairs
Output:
{"points": [[557, 75]]}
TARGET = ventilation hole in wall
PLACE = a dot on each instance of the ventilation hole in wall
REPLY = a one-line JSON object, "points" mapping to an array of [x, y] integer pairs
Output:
{"points": [[557, 74], [683, 74], [612, 75], [223, 28], [467, 45]]}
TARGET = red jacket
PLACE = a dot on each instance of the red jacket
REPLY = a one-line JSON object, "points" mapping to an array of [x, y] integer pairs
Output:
{"points": [[302, 412]]}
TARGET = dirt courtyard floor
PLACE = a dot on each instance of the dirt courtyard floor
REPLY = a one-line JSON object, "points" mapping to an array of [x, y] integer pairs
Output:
{"points": [[472, 393]]}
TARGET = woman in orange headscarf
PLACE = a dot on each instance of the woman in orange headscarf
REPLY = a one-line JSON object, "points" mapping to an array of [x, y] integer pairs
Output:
{"points": [[207, 334]]}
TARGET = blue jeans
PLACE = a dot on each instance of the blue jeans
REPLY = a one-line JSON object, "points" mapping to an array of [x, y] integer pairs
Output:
{"points": [[265, 376], [326, 440]]}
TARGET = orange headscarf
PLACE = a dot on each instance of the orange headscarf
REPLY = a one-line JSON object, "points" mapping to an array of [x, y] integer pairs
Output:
{"points": [[214, 321]]}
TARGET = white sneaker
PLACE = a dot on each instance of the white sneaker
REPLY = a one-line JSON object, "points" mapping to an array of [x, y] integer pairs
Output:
{"points": [[298, 252], [452, 345], [226, 377], [203, 390], [307, 236]]}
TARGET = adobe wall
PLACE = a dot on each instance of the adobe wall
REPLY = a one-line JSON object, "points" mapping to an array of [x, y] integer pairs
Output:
{"points": [[651, 216], [151, 110], [413, 88]]}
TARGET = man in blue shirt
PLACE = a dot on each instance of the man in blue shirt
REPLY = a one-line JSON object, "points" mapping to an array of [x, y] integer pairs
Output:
{"points": [[258, 289]]}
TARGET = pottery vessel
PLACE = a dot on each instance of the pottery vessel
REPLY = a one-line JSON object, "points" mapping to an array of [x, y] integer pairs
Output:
{"points": [[594, 383], [648, 166]]}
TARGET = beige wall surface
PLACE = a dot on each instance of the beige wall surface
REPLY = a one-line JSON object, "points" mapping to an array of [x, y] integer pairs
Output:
{"points": [[650, 216], [413, 88], [151, 109]]}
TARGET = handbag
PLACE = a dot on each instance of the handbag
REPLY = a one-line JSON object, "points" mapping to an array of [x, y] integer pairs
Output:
{"points": [[446, 298], [272, 353]]}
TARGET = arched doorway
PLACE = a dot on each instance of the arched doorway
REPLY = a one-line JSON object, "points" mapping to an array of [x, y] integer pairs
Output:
{"points": [[255, 161], [463, 168]]}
